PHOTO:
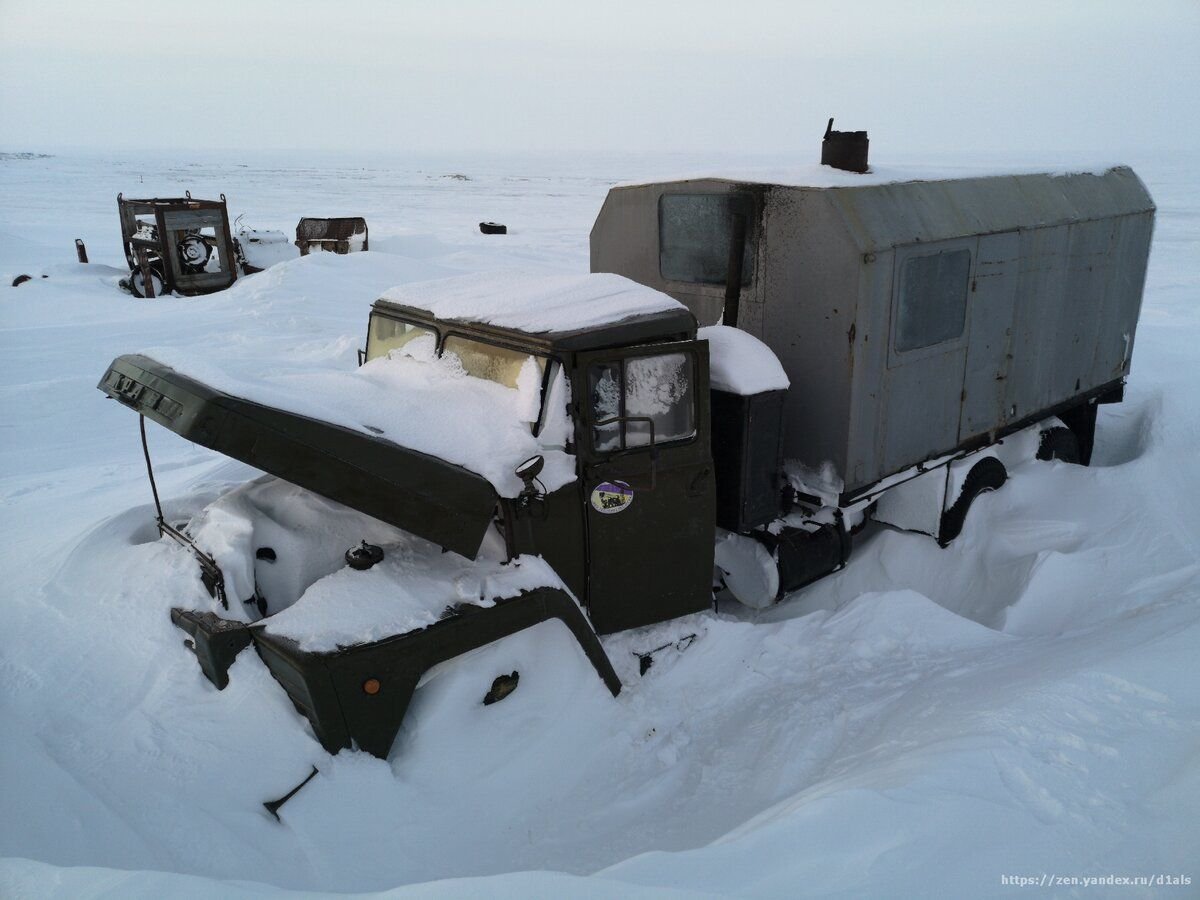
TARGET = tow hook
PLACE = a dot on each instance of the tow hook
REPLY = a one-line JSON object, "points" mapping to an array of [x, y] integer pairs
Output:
{"points": [[273, 805]]}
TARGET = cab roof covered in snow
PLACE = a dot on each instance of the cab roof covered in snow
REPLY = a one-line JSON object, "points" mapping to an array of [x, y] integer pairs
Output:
{"points": [[557, 308]]}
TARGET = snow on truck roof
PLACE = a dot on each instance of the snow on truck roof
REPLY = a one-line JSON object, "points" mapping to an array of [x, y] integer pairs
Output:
{"points": [[536, 303], [819, 176], [740, 363]]}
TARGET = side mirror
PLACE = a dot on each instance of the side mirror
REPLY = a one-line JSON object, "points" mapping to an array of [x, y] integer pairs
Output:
{"points": [[530, 469], [528, 472]]}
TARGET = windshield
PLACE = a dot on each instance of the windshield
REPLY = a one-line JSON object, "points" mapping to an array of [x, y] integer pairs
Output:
{"points": [[499, 364], [516, 369], [386, 335]]}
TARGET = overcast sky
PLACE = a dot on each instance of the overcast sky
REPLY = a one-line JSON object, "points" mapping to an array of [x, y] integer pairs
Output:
{"points": [[733, 76]]}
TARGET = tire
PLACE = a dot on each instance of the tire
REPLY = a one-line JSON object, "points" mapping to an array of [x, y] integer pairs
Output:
{"points": [[1059, 443], [137, 283], [194, 252], [987, 475]]}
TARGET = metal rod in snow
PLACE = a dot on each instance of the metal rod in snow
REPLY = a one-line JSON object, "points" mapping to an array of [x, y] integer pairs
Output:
{"points": [[150, 472]]}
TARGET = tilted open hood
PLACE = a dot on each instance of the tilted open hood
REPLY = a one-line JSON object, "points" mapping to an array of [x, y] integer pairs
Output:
{"points": [[436, 500]]}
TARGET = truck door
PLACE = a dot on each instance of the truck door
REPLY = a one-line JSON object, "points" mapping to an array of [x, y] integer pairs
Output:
{"points": [[648, 486]]}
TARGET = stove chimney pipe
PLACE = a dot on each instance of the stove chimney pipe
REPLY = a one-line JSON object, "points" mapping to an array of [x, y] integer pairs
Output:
{"points": [[844, 149]]}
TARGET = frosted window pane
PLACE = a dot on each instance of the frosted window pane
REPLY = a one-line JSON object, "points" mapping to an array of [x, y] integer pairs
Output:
{"points": [[933, 299], [660, 388], [694, 231]]}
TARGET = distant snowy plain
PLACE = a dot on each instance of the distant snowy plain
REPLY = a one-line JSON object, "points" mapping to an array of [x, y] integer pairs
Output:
{"points": [[929, 722]]}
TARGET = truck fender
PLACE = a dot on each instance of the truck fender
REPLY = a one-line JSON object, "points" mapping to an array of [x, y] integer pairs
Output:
{"points": [[357, 696]]}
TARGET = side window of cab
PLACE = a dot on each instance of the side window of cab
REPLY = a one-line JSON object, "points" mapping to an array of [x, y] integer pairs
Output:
{"points": [[642, 400]]}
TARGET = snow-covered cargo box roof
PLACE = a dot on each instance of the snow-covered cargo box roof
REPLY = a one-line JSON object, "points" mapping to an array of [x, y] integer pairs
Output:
{"points": [[1023, 293]]}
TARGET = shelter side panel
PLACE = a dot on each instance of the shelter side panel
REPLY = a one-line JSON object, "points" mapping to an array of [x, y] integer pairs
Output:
{"points": [[1072, 348], [990, 312], [1123, 297], [865, 462], [1040, 290], [624, 238], [811, 292]]}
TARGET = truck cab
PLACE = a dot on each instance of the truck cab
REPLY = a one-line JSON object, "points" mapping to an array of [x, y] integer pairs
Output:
{"points": [[541, 447], [632, 533]]}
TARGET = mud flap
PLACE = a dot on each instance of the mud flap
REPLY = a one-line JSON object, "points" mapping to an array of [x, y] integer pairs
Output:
{"points": [[215, 641]]}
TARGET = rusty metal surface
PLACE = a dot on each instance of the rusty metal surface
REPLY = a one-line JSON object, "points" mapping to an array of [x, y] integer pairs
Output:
{"points": [[338, 235], [844, 149]]}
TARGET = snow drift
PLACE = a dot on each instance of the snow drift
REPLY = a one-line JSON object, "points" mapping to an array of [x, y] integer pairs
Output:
{"points": [[921, 724]]}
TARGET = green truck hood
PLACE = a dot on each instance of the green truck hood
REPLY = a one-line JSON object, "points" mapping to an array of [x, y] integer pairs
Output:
{"points": [[431, 498]]}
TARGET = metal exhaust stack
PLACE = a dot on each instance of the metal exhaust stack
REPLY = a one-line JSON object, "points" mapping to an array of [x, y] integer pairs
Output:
{"points": [[844, 149]]}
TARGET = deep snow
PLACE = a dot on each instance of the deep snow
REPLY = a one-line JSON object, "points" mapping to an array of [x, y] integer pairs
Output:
{"points": [[1024, 702]]}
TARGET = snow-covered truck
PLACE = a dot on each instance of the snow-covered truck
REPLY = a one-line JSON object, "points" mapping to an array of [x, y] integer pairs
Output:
{"points": [[518, 449]]}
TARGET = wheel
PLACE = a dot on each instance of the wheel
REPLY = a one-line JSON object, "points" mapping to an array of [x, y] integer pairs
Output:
{"points": [[137, 283], [987, 475], [1059, 443], [194, 252]]}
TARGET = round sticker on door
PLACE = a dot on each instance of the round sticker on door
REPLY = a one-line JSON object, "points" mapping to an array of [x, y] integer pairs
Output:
{"points": [[611, 497]]}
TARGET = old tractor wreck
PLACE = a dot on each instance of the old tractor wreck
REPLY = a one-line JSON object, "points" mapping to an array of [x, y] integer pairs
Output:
{"points": [[177, 244], [184, 245], [888, 349]]}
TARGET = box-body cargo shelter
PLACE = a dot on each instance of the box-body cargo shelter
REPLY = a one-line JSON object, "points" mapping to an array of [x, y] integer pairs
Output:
{"points": [[914, 315]]}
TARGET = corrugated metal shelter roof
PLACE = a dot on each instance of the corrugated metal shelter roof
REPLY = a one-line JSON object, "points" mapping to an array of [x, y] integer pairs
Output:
{"points": [[889, 207], [888, 215]]}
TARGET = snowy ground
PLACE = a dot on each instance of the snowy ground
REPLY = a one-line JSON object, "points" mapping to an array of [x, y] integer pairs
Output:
{"points": [[1024, 703]]}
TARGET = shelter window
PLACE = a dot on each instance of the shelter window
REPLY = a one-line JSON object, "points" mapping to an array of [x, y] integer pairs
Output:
{"points": [[933, 299], [694, 236], [641, 388], [387, 334]]}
